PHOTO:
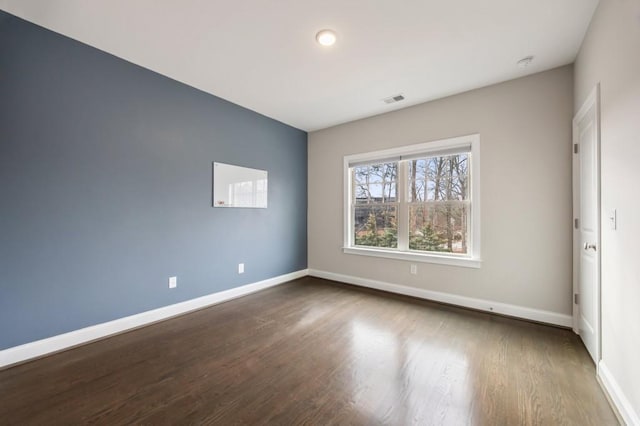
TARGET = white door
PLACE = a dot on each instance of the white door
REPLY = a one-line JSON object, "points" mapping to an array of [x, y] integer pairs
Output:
{"points": [[586, 239]]}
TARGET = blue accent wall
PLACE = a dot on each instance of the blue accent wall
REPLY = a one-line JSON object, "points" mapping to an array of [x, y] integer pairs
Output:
{"points": [[105, 188]]}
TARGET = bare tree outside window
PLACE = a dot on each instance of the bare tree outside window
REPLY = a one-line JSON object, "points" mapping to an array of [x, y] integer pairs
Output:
{"points": [[439, 204], [417, 202], [437, 199], [376, 205]]}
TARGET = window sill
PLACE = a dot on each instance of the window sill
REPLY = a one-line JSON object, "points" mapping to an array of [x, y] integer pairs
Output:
{"points": [[467, 262]]}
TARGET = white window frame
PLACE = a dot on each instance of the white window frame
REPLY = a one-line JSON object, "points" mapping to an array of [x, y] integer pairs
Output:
{"points": [[472, 259]]}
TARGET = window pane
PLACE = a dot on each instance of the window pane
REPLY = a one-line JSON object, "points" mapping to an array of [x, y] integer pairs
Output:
{"points": [[416, 190], [439, 226], [446, 189], [375, 183], [376, 193], [439, 178], [375, 226], [375, 173], [418, 168]]}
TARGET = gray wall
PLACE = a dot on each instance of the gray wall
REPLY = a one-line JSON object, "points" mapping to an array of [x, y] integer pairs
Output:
{"points": [[105, 172], [610, 55], [525, 191]]}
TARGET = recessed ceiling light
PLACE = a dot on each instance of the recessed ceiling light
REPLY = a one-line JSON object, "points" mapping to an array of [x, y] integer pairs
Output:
{"points": [[525, 62], [326, 37]]}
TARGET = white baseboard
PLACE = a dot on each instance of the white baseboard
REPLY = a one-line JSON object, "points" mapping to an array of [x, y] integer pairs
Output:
{"points": [[18, 354], [452, 299], [39, 348], [619, 400]]}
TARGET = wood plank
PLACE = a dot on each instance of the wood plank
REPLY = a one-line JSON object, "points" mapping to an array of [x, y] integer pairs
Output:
{"points": [[316, 352]]}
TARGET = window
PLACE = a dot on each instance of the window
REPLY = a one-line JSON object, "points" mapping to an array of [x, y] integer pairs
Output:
{"points": [[418, 202], [375, 205]]}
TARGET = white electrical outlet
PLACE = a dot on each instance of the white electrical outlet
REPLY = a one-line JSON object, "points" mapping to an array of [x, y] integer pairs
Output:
{"points": [[414, 269], [241, 268], [173, 282]]}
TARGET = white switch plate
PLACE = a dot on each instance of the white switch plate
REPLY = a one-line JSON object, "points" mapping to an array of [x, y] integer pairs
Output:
{"points": [[414, 269], [613, 219], [241, 268], [173, 282]]}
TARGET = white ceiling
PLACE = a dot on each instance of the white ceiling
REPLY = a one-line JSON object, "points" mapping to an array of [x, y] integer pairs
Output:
{"points": [[263, 55]]}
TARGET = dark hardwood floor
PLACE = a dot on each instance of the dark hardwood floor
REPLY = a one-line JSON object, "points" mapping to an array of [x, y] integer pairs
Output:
{"points": [[319, 353]]}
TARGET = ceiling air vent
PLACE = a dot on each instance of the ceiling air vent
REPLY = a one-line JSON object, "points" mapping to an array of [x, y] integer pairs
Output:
{"points": [[393, 99]]}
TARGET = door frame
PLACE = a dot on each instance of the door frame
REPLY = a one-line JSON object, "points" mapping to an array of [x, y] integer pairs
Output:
{"points": [[593, 100]]}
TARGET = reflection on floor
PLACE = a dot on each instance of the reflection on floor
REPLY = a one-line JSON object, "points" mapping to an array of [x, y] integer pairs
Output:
{"points": [[316, 352]]}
